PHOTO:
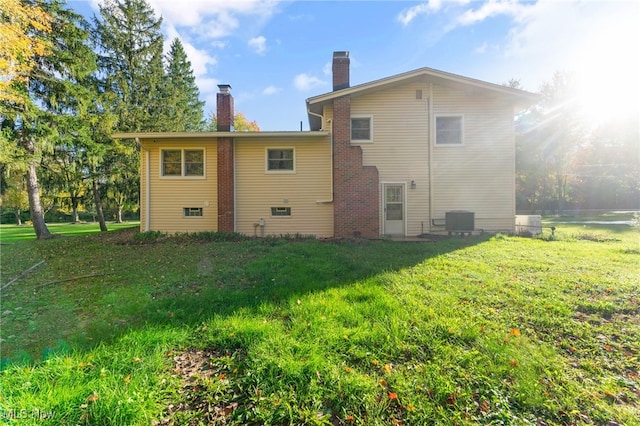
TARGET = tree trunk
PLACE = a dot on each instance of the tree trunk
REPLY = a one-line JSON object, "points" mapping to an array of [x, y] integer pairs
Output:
{"points": [[119, 219], [18, 212], [98, 201], [37, 216], [74, 207]]}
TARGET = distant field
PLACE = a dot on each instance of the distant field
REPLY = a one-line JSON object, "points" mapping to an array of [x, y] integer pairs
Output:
{"points": [[10, 233]]}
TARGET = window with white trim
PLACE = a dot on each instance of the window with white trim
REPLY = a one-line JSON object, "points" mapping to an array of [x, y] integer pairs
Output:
{"points": [[280, 160], [361, 128], [449, 130], [192, 212], [280, 211], [182, 162]]}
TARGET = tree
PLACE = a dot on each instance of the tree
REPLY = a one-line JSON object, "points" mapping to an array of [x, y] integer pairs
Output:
{"points": [[547, 140], [182, 109], [19, 47], [240, 123], [131, 80], [52, 94]]}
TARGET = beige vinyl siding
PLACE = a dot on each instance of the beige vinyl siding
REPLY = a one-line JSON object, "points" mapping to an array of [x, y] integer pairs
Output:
{"points": [[479, 175], [400, 147], [170, 195], [257, 191]]}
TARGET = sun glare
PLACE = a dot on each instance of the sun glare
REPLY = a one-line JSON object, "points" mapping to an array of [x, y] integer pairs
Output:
{"points": [[606, 72]]}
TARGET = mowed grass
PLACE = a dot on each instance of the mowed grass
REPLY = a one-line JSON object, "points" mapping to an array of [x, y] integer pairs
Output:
{"points": [[187, 330], [12, 233]]}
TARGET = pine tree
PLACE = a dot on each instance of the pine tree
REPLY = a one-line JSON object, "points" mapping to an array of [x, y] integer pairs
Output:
{"points": [[131, 76], [183, 110], [53, 93], [130, 46]]}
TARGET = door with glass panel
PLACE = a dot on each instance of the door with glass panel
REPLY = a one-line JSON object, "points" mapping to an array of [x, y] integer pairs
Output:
{"points": [[393, 209]]}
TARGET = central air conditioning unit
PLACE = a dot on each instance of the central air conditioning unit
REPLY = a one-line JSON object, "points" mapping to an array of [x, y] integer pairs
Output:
{"points": [[459, 221]]}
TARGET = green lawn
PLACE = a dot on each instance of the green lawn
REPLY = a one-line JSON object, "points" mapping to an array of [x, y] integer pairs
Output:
{"points": [[12, 233], [218, 329]]}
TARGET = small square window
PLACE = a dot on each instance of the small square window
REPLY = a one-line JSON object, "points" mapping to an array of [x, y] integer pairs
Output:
{"points": [[280, 211], [361, 129], [193, 212], [280, 160], [449, 130]]}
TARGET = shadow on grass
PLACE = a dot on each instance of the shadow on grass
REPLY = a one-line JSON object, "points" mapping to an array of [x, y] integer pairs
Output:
{"points": [[179, 282]]}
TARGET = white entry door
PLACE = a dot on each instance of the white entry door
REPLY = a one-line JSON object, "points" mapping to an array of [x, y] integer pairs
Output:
{"points": [[393, 208]]}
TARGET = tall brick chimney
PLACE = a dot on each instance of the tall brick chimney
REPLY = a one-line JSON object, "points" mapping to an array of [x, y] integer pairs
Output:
{"points": [[224, 117], [355, 186], [340, 69], [224, 112]]}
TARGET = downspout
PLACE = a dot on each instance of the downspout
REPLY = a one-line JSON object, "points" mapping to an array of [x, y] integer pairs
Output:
{"points": [[147, 189], [430, 162], [331, 174]]}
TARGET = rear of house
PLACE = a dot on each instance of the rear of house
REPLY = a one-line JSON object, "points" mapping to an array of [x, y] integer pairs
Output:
{"points": [[397, 156]]}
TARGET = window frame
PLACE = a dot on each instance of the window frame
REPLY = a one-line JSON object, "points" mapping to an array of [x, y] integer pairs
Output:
{"points": [[279, 171], [183, 164], [435, 130], [285, 210], [186, 210], [360, 117]]}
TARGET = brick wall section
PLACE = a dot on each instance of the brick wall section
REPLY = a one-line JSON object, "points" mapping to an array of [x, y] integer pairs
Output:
{"points": [[224, 116], [356, 205], [226, 218]]}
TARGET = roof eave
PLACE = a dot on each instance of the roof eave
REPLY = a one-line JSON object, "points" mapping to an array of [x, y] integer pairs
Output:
{"points": [[215, 135]]}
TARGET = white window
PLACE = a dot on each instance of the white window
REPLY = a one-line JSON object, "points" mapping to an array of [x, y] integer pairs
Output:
{"points": [[449, 130], [182, 162], [280, 211], [361, 128], [192, 211], [280, 160]]}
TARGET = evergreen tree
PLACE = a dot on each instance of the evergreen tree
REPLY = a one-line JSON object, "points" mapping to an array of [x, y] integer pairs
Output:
{"points": [[130, 45], [183, 110], [52, 95], [131, 76]]}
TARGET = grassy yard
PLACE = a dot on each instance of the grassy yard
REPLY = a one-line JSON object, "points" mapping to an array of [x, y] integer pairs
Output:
{"points": [[12, 233], [138, 329]]}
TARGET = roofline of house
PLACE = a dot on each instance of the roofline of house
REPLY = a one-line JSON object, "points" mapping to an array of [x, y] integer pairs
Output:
{"points": [[428, 72], [212, 135]]}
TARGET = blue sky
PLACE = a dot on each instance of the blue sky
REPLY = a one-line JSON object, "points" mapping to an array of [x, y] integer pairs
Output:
{"points": [[275, 54]]}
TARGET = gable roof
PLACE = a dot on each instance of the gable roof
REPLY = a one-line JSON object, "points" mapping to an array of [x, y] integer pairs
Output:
{"points": [[520, 98]]}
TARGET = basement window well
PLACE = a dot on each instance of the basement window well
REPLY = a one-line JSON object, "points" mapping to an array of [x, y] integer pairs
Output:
{"points": [[192, 212], [280, 211]]}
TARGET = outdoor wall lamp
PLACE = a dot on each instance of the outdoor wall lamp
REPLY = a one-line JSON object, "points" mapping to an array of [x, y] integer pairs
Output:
{"points": [[413, 184]]}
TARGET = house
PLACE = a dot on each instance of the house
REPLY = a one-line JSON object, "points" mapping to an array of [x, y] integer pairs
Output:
{"points": [[410, 154]]}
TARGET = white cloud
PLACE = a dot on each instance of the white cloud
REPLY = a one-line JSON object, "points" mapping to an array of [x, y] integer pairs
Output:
{"points": [[271, 90], [408, 15], [490, 9], [305, 82], [482, 48], [212, 19], [258, 44]]}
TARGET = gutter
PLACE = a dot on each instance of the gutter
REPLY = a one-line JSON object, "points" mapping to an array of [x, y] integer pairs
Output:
{"points": [[330, 201], [147, 189], [429, 161]]}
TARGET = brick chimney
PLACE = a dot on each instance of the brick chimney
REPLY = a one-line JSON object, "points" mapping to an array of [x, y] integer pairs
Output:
{"points": [[340, 69], [225, 170], [224, 113]]}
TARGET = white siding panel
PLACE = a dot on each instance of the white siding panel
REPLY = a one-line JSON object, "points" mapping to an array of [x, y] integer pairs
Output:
{"points": [[169, 196], [400, 148], [479, 175], [257, 191]]}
